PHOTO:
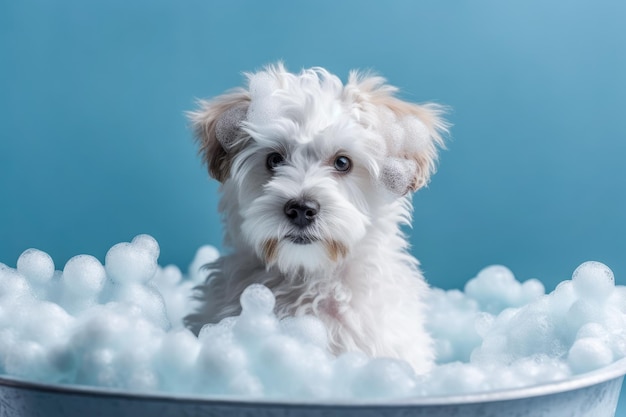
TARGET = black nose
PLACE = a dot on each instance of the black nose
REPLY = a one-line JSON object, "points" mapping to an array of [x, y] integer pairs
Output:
{"points": [[301, 212]]}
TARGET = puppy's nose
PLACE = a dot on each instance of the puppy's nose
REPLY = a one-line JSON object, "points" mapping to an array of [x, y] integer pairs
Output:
{"points": [[301, 212]]}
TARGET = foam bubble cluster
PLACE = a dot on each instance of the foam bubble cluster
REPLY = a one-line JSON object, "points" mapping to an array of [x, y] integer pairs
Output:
{"points": [[120, 325]]}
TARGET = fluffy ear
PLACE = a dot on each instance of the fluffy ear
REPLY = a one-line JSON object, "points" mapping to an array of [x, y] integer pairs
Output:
{"points": [[413, 141], [217, 128], [412, 133]]}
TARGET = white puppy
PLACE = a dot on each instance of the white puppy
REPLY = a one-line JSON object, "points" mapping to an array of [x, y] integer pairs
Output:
{"points": [[316, 181]]}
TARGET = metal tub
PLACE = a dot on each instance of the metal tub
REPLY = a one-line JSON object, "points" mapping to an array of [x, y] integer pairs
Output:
{"points": [[593, 394]]}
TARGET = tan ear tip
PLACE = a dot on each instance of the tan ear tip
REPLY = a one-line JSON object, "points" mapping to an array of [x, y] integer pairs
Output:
{"points": [[418, 184]]}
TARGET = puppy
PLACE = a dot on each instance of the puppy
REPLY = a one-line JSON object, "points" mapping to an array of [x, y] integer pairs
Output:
{"points": [[316, 180]]}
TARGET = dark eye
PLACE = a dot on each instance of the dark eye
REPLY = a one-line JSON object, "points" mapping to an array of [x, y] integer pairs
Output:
{"points": [[343, 164], [273, 160]]}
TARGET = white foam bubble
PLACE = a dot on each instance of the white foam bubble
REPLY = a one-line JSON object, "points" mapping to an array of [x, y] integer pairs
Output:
{"points": [[53, 330], [147, 298], [36, 266], [417, 135], [398, 175], [495, 288], [130, 263], [498, 334], [452, 323], [257, 299], [383, 378], [589, 353], [148, 243], [306, 328], [175, 289], [264, 107], [27, 359], [176, 358], [227, 126], [392, 131], [167, 277], [251, 327], [13, 285], [593, 280], [204, 256], [83, 275], [456, 377], [220, 361]]}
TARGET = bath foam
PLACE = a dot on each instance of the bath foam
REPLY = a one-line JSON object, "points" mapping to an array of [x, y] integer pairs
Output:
{"points": [[120, 325]]}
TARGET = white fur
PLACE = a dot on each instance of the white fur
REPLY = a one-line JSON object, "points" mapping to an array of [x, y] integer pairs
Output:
{"points": [[356, 274]]}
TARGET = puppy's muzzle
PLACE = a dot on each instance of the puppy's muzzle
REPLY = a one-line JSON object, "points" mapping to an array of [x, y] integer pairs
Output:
{"points": [[301, 213]]}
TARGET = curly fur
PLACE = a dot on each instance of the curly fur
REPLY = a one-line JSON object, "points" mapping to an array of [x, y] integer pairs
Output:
{"points": [[354, 272]]}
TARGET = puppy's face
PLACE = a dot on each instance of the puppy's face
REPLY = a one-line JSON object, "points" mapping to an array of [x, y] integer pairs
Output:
{"points": [[308, 163]]}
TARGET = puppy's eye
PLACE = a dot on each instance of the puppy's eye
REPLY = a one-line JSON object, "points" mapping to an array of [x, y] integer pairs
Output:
{"points": [[343, 164], [273, 160]]}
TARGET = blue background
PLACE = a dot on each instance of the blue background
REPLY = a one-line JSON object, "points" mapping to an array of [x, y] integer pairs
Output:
{"points": [[95, 147]]}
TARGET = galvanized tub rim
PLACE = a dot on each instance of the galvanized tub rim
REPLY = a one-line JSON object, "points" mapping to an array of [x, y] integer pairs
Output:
{"points": [[614, 371]]}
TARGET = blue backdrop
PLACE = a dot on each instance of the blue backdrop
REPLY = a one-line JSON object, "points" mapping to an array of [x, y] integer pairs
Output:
{"points": [[95, 148]]}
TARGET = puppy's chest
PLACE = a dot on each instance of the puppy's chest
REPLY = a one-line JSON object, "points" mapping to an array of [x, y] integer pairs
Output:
{"points": [[333, 309], [324, 300]]}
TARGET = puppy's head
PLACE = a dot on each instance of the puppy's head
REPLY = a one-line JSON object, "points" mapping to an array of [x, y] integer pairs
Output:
{"points": [[308, 164]]}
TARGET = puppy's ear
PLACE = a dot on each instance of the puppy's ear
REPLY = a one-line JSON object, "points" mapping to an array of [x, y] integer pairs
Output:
{"points": [[413, 138], [217, 125], [412, 133]]}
